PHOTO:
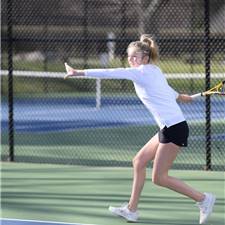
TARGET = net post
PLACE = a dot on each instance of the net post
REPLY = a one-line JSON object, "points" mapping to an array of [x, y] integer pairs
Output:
{"points": [[98, 93], [10, 79], [207, 82]]}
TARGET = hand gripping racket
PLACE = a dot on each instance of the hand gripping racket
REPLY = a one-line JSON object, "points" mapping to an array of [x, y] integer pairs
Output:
{"points": [[218, 89]]}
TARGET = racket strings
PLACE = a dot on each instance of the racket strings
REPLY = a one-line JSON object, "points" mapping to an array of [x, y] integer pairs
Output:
{"points": [[218, 89], [221, 88]]}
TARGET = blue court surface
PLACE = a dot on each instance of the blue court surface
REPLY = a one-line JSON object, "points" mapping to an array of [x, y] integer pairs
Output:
{"points": [[66, 114], [34, 222]]}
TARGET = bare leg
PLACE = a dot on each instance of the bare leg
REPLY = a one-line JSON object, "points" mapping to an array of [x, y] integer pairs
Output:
{"points": [[140, 162], [165, 155]]}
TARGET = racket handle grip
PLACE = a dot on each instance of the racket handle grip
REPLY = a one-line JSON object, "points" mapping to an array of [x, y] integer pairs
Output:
{"points": [[196, 95]]}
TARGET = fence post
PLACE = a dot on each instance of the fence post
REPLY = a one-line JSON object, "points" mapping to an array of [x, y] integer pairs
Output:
{"points": [[207, 83], [85, 34], [10, 79], [123, 26]]}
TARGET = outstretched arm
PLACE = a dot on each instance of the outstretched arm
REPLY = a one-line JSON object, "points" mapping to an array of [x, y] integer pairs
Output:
{"points": [[115, 73]]}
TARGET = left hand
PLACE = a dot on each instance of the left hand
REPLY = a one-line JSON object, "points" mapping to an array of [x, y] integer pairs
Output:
{"points": [[71, 72]]}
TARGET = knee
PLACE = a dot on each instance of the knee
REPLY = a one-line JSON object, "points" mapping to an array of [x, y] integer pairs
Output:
{"points": [[138, 164], [160, 180]]}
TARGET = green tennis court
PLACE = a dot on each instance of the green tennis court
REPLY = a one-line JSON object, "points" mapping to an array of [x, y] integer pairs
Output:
{"points": [[76, 194]]}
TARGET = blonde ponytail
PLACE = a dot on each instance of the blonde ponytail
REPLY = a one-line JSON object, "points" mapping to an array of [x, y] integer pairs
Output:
{"points": [[146, 38]]}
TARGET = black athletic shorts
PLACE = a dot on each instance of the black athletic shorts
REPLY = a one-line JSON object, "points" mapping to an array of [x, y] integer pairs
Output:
{"points": [[177, 134]]}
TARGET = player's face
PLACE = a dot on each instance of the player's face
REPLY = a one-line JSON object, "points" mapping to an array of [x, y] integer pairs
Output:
{"points": [[135, 58]]}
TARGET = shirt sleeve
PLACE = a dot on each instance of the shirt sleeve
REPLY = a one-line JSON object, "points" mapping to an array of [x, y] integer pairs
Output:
{"points": [[118, 73], [176, 94]]}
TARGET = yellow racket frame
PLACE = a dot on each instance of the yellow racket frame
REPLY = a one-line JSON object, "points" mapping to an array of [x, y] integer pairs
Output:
{"points": [[218, 89]]}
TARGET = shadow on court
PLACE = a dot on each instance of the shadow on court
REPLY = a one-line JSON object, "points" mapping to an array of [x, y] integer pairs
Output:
{"points": [[82, 195]]}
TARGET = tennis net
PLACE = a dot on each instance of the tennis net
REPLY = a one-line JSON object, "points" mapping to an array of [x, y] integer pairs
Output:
{"points": [[56, 120], [51, 81]]}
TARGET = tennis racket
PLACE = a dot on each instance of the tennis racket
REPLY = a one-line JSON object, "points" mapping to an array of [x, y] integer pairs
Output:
{"points": [[218, 89]]}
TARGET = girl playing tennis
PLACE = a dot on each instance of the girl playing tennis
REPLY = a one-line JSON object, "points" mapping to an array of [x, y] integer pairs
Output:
{"points": [[161, 100]]}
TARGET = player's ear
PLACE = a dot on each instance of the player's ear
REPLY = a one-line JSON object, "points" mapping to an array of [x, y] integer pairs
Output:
{"points": [[146, 59]]}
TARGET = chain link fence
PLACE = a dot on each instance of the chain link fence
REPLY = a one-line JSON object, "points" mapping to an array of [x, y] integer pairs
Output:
{"points": [[46, 119]]}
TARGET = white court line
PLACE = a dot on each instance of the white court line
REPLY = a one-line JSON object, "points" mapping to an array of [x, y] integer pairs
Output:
{"points": [[42, 221]]}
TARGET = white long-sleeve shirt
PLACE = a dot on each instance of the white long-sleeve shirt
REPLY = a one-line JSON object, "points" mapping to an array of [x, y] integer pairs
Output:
{"points": [[151, 87]]}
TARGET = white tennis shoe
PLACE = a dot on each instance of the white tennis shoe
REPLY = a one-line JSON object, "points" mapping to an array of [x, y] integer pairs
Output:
{"points": [[206, 207], [124, 212]]}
